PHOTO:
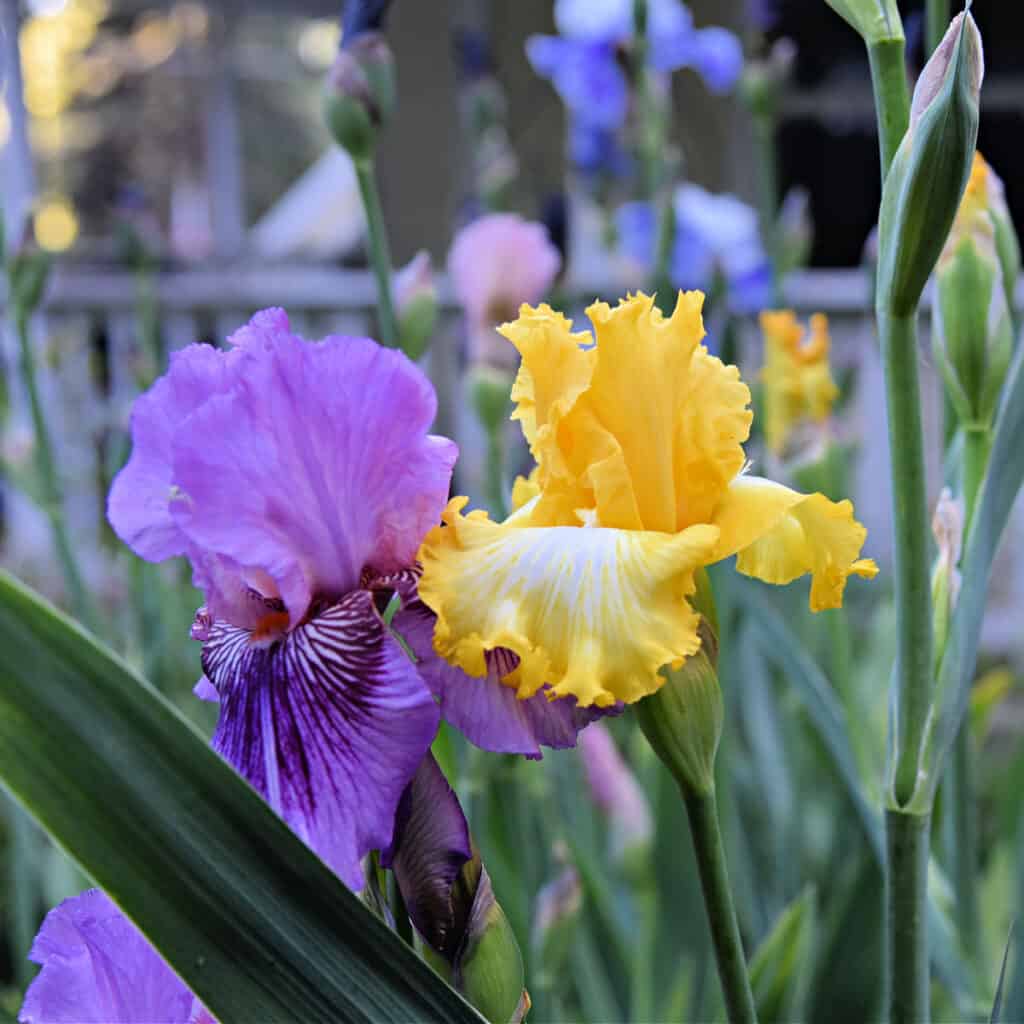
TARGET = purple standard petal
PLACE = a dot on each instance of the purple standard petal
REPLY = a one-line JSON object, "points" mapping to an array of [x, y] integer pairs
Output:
{"points": [[328, 724], [139, 502], [586, 75], [486, 712], [718, 57], [431, 846], [316, 463], [98, 969]]}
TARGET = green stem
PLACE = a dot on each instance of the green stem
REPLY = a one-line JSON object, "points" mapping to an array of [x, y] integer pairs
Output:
{"points": [[910, 543], [892, 96], [49, 482], [977, 441], [641, 995], [702, 811], [380, 255], [906, 899], [936, 22]]}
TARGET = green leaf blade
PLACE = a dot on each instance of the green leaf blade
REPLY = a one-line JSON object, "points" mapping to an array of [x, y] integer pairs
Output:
{"points": [[248, 916]]}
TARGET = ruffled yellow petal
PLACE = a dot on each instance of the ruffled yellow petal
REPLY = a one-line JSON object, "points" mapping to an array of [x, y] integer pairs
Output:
{"points": [[661, 418], [781, 534], [797, 378], [592, 612], [555, 369], [525, 488]]}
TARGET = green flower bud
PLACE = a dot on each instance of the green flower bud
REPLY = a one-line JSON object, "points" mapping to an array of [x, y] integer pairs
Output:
{"points": [[491, 389], [924, 186], [416, 305], [972, 332], [683, 720], [875, 20], [763, 80], [360, 94], [948, 529]]}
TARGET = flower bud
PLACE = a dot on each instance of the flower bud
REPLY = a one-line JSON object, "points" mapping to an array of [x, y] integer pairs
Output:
{"points": [[617, 794], [948, 528], [416, 305], [683, 720], [491, 389], [972, 331], [875, 20], [556, 916], [923, 188], [763, 81], [448, 894], [360, 94]]}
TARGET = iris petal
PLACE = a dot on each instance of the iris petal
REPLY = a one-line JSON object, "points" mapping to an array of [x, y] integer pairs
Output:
{"points": [[781, 534], [593, 613], [328, 724]]}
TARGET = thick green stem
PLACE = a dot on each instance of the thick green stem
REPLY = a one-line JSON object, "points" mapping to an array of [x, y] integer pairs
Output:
{"points": [[702, 811], [380, 255], [910, 555], [936, 22], [906, 900], [496, 472], [892, 96], [51, 492], [963, 807]]}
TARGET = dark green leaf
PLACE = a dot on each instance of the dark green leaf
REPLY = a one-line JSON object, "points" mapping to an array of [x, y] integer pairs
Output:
{"points": [[255, 924]]}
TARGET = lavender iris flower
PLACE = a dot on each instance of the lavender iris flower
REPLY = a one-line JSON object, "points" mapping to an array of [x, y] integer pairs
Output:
{"points": [[97, 968], [582, 61], [299, 480], [714, 234]]}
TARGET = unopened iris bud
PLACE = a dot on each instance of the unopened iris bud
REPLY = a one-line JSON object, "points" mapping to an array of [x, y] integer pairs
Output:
{"points": [[557, 914], [972, 330], [683, 720], [491, 389], [875, 20], [360, 94], [415, 293], [923, 188], [948, 528], [763, 81], [617, 794]]}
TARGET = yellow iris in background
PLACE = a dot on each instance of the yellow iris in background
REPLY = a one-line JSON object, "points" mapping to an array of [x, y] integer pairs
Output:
{"points": [[640, 481], [798, 382]]}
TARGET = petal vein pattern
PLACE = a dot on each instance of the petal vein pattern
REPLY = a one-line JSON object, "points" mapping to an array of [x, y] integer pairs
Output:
{"points": [[327, 723]]}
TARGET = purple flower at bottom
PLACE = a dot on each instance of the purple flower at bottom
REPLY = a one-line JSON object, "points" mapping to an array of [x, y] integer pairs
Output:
{"points": [[97, 968], [299, 479]]}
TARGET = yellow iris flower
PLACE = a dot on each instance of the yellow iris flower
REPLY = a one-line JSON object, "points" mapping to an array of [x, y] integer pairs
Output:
{"points": [[640, 481], [798, 382]]}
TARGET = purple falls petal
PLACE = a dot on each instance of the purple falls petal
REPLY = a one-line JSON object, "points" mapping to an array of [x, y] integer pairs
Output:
{"points": [[328, 724], [431, 845], [485, 711], [316, 463], [98, 969], [586, 75]]}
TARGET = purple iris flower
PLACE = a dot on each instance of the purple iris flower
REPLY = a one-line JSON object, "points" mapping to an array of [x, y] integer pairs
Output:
{"points": [[299, 479], [582, 62], [97, 968], [714, 234]]}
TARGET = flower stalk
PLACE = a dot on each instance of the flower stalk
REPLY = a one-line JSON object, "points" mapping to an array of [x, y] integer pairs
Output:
{"points": [[886, 58], [380, 253], [702, 813]]}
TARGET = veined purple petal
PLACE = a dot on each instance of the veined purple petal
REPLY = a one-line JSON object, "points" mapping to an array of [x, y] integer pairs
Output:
{"points": [[97, 968], [328, 723], [315, 464], [139, 502], [431, 845], [488, 713]]}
